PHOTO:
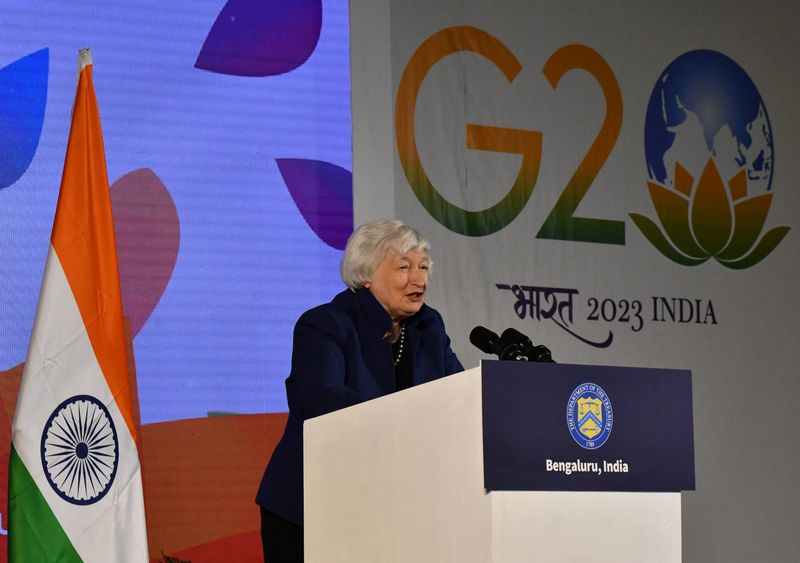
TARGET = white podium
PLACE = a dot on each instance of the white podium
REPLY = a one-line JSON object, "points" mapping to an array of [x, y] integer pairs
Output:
{"points": [[401, 479]]}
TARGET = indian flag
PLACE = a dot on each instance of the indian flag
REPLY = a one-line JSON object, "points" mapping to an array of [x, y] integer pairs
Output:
{"points": [[75, 487]]}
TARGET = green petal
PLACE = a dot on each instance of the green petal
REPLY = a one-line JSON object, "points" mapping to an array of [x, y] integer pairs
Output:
{"points": [[651, 231], [765, 246]]}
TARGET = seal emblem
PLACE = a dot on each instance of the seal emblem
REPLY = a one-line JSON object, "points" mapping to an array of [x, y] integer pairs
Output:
{"points": [[79, 450], [589, 416]]}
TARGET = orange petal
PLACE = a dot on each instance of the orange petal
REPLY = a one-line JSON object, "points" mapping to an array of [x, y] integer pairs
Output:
{"points": [[673, 213], [738, 185], [711, 211], [653, 234], [683, 180], [749, 217]]}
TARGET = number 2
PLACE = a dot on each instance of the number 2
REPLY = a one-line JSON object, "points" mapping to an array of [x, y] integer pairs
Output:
{"points": [[561, 224]]}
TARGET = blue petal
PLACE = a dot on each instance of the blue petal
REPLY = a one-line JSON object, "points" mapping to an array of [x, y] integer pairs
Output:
{"points": [[263, 38], [23, 96], [323, 192]]}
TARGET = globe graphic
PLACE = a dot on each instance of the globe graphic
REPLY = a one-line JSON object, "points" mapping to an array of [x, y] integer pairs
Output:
{"points": [[705, 106]]}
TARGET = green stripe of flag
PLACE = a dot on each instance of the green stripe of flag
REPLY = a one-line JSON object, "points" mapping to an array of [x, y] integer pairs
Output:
{"points": [[34, 533]]}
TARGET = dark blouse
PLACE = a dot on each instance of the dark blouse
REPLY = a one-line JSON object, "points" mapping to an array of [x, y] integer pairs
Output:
{"points": [[403, 373]]}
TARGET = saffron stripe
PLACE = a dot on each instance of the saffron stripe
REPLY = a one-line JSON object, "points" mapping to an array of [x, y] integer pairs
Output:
{"points": [[83, 238]]}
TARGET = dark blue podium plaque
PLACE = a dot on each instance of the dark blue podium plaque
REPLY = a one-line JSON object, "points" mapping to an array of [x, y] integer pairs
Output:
{"points": [[559, 427]]}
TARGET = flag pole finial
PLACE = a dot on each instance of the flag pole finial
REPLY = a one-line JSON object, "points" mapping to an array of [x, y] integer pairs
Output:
{"points": [[84, 58]]}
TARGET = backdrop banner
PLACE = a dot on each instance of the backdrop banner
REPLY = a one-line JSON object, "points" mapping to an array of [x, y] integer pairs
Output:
{"points": [[616, 182]]}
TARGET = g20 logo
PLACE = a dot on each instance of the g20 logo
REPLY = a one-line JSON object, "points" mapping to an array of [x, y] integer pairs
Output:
{"points": [[690, 215], [704, 98]]}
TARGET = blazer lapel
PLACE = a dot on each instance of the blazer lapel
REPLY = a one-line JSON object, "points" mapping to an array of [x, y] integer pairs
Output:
{"points": [[376, 352]]}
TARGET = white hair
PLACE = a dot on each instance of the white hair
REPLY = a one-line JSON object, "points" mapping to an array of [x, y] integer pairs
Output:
{"points": [[370, 242]]}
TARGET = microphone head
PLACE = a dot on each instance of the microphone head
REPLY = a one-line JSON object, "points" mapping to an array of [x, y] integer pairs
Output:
{"points": [[542, 354], [513, 336], [484, 339]]}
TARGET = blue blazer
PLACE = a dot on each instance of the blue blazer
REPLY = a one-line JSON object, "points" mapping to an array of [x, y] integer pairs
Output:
{"points": [[339, 359]]}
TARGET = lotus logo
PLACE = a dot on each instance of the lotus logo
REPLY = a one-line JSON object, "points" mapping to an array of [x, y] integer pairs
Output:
{"points": [[706, 122], [710, 219]]}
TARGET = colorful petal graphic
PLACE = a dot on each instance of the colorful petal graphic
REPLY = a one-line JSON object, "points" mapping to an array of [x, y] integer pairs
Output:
{"points": [[766, 245], [711, 211], [725, 224], [23, 96], [9, 387], [261, 38], [182, 453], [147, 229], [749, 217], [651, 231], [673, 212], [323, 192]]}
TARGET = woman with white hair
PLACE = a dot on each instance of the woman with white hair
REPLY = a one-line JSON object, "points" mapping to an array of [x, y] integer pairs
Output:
{"points": [[374, 338]]}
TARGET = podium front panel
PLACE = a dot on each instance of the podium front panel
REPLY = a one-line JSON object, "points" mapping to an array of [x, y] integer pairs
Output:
{"points": [[553, 427]]}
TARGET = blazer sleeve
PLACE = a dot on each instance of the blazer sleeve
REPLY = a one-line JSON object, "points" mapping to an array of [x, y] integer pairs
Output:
{"points": [[316, 385]]}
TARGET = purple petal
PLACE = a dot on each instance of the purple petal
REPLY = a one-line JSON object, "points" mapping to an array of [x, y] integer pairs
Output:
{"points": [[147, 230], [23, 96], [261, 38], [323, 192]]}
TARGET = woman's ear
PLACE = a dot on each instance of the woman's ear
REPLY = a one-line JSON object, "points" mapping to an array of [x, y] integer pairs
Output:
{"points": [[367, 284]]}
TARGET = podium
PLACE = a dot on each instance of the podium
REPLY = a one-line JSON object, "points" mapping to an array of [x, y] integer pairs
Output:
{"points": [[507, 462]]}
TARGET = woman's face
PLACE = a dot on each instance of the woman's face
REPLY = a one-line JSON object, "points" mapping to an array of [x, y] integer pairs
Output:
{"points": [[399, 283]]}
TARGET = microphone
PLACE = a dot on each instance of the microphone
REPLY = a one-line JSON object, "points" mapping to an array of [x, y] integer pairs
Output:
{"points": [[485, 340], [505, 347], [513, 337]]}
